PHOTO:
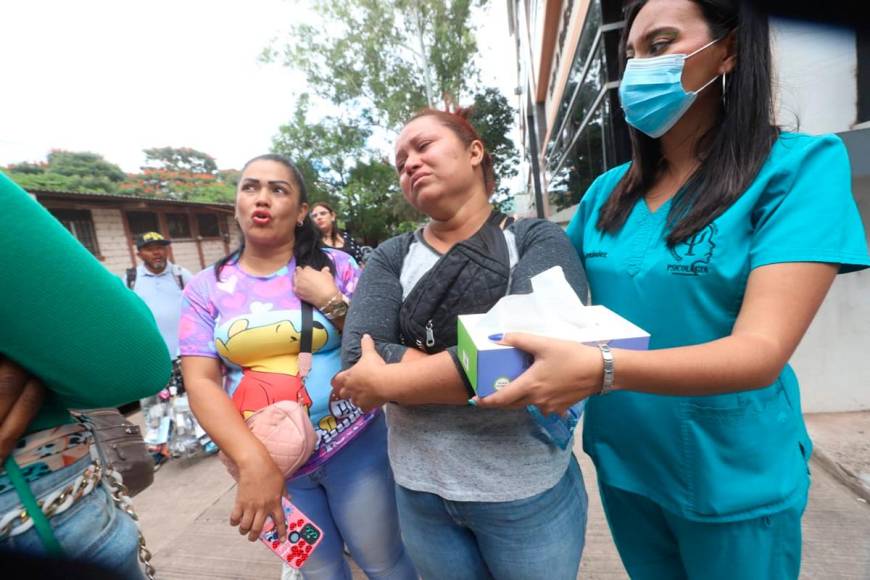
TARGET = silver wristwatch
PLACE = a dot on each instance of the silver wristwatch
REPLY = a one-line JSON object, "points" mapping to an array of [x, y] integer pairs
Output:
{"points": [[607, 355]]}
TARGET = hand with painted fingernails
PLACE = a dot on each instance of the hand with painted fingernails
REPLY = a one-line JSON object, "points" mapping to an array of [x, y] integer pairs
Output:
{"points": [[563, 373]]}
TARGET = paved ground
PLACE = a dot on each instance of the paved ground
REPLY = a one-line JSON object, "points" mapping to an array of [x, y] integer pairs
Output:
{"points": [[184, 516], [842, 442]]}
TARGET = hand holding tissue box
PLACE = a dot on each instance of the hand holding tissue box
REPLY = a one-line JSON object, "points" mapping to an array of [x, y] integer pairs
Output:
{"points": [[552, 310]]}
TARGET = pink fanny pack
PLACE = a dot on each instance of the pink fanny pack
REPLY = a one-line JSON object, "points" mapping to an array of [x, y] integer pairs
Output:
{"points": [[286, 431]]}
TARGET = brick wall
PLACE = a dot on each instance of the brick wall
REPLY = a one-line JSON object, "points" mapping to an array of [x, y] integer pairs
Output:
{"points": [[184, 253], [235, 233], [212, 251], [112, 240]]}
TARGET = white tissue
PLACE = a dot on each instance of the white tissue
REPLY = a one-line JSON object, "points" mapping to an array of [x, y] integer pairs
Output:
{"points": [[552, 309]]}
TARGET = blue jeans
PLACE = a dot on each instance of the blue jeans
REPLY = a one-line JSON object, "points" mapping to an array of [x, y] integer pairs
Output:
{"points": [[654, 543], [92, 530], [352, 499], [538, 537]]}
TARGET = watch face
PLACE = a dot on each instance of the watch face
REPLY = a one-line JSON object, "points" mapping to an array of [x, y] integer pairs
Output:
{"points": [[337, 310]]}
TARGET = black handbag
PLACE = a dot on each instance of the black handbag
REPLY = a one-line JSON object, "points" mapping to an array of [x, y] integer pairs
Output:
{"points": [[122, 445], [469, 279]]}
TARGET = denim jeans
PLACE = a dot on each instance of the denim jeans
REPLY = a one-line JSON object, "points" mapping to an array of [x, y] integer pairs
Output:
{"points": [[92, 530], [537, 537], [352, 499]]}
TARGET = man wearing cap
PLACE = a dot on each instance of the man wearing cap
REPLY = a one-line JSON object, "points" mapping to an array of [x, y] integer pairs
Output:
{"points": [[159, 283]]}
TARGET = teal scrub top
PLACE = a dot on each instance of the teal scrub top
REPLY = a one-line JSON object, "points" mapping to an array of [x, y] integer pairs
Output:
{"points": [[722, 457]]}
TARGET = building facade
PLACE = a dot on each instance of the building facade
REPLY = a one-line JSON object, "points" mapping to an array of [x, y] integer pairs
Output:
{"points": [[107, 225], [568, 67], [573, 130]]}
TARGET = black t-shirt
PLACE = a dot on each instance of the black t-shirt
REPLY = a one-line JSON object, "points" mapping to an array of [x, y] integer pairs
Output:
{"points": [[351, 247]]}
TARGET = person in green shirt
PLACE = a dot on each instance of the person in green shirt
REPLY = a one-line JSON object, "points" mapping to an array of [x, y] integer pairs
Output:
{"points": [[721, 239], [78, 339]]}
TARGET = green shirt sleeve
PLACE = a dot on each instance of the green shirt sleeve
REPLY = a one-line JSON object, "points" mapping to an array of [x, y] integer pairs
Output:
{"points": [[67, 319]]}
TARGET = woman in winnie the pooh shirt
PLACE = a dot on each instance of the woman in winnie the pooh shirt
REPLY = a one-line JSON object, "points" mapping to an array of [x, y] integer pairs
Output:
{"points": [[240, 336]]}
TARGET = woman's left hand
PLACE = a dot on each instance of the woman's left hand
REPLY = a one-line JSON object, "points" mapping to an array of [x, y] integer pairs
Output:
{"points": [[314, 286], [563, 373], [362, 383]]}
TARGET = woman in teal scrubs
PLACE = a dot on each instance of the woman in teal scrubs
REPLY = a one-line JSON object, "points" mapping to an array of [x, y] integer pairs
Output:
{"points": [[721, 238]]}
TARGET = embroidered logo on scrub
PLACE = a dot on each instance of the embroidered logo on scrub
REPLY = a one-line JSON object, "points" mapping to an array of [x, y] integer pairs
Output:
{"points": [[693, 256]]}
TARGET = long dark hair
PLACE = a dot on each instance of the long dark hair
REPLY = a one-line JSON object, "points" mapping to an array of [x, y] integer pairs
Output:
{"points": [[333, 230], [731, 152], [307, 249]]}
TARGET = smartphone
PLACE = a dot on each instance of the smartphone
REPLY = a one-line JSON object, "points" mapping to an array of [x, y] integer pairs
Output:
{"points": [[303, 536]]}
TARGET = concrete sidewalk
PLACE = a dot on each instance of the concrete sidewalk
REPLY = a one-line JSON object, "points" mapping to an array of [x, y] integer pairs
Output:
{"points": [[842, 447], [185, 515], [185, 519]]}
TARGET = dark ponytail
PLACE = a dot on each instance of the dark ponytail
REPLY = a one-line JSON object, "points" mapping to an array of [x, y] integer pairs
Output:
{"points": [[308, 248]]}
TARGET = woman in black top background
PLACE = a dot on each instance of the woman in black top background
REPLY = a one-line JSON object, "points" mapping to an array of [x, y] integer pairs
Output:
{"points": [[325, 219]]}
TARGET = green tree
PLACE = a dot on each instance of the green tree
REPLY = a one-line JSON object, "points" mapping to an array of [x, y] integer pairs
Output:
{"points": [[376, 208], [494, 118], [180, 159], [28, 168], [69, 171], [325, 151], [182, 173], [379, 61], [84, 165], [386, 59], [339, 167], [41, 181]]}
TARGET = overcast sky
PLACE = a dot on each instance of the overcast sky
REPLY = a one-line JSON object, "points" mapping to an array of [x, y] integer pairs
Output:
{"points": [[115, 77]]}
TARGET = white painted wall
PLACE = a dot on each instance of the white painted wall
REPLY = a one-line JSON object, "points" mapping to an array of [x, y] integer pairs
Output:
{"points": [[112, 240], [814, 68], [816, 92], [212, 251], [184, 253], [833, 360]]}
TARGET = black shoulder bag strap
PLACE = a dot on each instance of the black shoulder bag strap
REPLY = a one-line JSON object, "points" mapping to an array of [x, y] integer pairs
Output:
{"points": [[306, 340], [179, 278], [131, 278]]}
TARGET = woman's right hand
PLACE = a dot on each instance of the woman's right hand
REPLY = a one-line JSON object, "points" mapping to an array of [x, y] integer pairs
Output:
{"points": [[21, 397], [314, 286], [258, 496], [563, 372]]}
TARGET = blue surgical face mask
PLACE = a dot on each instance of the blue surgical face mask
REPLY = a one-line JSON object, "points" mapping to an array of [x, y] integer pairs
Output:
{"points": [[652, 94]]}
